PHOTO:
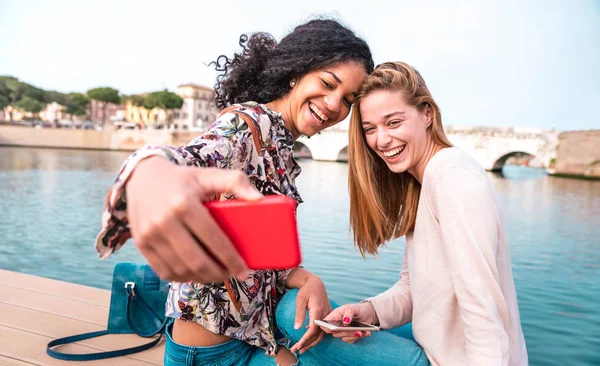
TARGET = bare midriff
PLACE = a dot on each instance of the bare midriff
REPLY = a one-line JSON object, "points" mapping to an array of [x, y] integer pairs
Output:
{"points": [[195, 335]]}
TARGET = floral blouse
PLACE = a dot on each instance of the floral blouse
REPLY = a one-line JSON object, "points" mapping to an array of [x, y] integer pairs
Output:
{"points": [[244, 310]]}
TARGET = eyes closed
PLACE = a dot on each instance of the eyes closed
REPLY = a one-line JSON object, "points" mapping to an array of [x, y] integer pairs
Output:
{"points": [[330, 86], [392, 124]]}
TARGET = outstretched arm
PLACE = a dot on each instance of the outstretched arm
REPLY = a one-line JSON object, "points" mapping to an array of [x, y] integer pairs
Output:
{"points": [[157, 198]]}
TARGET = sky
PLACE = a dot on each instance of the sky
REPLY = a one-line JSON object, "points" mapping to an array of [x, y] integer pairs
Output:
{"points": [[487, 63]]}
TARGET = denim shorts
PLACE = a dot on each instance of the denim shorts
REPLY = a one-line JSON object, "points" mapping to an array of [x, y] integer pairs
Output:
{"points": [[230, 353]]}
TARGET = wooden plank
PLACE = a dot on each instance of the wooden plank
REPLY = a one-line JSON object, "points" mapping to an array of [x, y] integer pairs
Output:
{"points": [[11, 361], [31, 348], [54, 326], [57, 288], [35, 310], [50, 304]]}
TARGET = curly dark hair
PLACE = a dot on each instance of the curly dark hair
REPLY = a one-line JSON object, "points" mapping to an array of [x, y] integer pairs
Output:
{"points": [[263, 70]]}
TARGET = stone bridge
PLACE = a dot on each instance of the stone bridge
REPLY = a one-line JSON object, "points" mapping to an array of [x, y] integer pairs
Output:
{"points": [[491, 147]]}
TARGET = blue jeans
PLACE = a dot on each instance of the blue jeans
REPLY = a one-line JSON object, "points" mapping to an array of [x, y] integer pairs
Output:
{"points": [[231, 353], [394, 347]]}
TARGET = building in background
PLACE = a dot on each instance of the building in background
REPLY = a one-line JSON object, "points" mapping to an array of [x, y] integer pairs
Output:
{"points": [[142, 117], [54, 112], [16, 114], [196, 113], [198, 110], [95, 110]]}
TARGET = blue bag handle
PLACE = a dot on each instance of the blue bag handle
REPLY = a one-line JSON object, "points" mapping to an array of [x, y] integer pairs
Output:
{"points": [[132, 298]]}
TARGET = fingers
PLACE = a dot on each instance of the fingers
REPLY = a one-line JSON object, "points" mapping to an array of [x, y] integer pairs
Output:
{"points": [[301, 304], [309, 337], [160, 266], [214, 180], [313, 341], [351, 337], [202, 226], [195, 263], [314, 334], [336, 314], [348, 315], [350, 340]]}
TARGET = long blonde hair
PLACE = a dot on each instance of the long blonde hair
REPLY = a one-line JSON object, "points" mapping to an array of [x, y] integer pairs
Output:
{"points": [[383, 204]]}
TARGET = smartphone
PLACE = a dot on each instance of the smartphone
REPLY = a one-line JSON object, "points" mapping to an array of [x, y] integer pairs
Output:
{"points": [[264, 232], [353, 326]]}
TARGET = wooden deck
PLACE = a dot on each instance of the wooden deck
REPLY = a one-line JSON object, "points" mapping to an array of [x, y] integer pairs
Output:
{"points": [[35, 310]]}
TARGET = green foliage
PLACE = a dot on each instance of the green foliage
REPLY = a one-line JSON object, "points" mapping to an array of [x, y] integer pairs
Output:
{"points": [[3, 88], [3, 101], [30, 104], [78, 98], [54, 96], [76, 103], [135, 99], [106, 95], [12, 89], [15, 91], [165, 100], [34, 93]]}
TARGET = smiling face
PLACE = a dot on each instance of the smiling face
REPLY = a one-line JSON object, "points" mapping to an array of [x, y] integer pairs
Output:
{"points": [[321, 98], [395, 131]]}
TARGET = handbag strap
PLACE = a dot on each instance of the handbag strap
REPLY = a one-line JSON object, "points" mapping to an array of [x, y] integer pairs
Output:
{"points": [[97, 355], [132, 298], [135, 299], [249, 121]]}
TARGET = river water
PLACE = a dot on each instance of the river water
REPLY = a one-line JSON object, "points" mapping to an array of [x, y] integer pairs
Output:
{"points": [[51, 200]]}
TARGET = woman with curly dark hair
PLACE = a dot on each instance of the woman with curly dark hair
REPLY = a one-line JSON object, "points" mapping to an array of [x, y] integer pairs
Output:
{"points": [[273, 92]]}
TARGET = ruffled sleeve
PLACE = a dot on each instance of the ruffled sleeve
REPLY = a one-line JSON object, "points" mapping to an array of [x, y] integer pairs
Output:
{"points": [[228, 144]]}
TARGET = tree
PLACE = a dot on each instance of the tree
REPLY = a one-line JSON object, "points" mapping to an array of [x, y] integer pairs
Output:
{"points": [[29, 104], [76, 103], [54, 96], [3, 102], [15, 91], [105, 95], [166, 101], [12, 90], [34, 93]]}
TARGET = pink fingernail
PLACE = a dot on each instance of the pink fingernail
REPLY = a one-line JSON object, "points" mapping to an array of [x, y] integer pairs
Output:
{"points": [[357, 334], [346, 320]]}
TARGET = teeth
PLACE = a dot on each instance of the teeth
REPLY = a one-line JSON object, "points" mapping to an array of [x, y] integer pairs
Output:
{"points": [[394, 152], [319, 114]]}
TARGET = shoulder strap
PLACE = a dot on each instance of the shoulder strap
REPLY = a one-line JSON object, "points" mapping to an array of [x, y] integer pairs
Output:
{"points": [[249, 121], [97, 355], [132, 298]]}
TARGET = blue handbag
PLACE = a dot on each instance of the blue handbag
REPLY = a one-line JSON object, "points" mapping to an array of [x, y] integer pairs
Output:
{"points": [[137, 306]]}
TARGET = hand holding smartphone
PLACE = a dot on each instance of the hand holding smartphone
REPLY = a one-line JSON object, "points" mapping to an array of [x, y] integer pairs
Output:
{"points": [[354, 325], [264, 231]]}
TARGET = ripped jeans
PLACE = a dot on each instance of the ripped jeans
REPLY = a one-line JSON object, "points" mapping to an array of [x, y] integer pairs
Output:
{"points": [[389, 347]]}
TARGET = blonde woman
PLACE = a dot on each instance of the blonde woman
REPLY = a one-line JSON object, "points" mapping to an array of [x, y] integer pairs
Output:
{"points": [[406, 179]]}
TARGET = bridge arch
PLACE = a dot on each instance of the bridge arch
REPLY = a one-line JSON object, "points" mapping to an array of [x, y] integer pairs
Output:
{"points": [[301, 151], [499, 162], [343, 154]]}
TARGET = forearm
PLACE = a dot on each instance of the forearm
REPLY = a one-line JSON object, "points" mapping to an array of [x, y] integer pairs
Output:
{"points": [[298, 277], [393, 308]]}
